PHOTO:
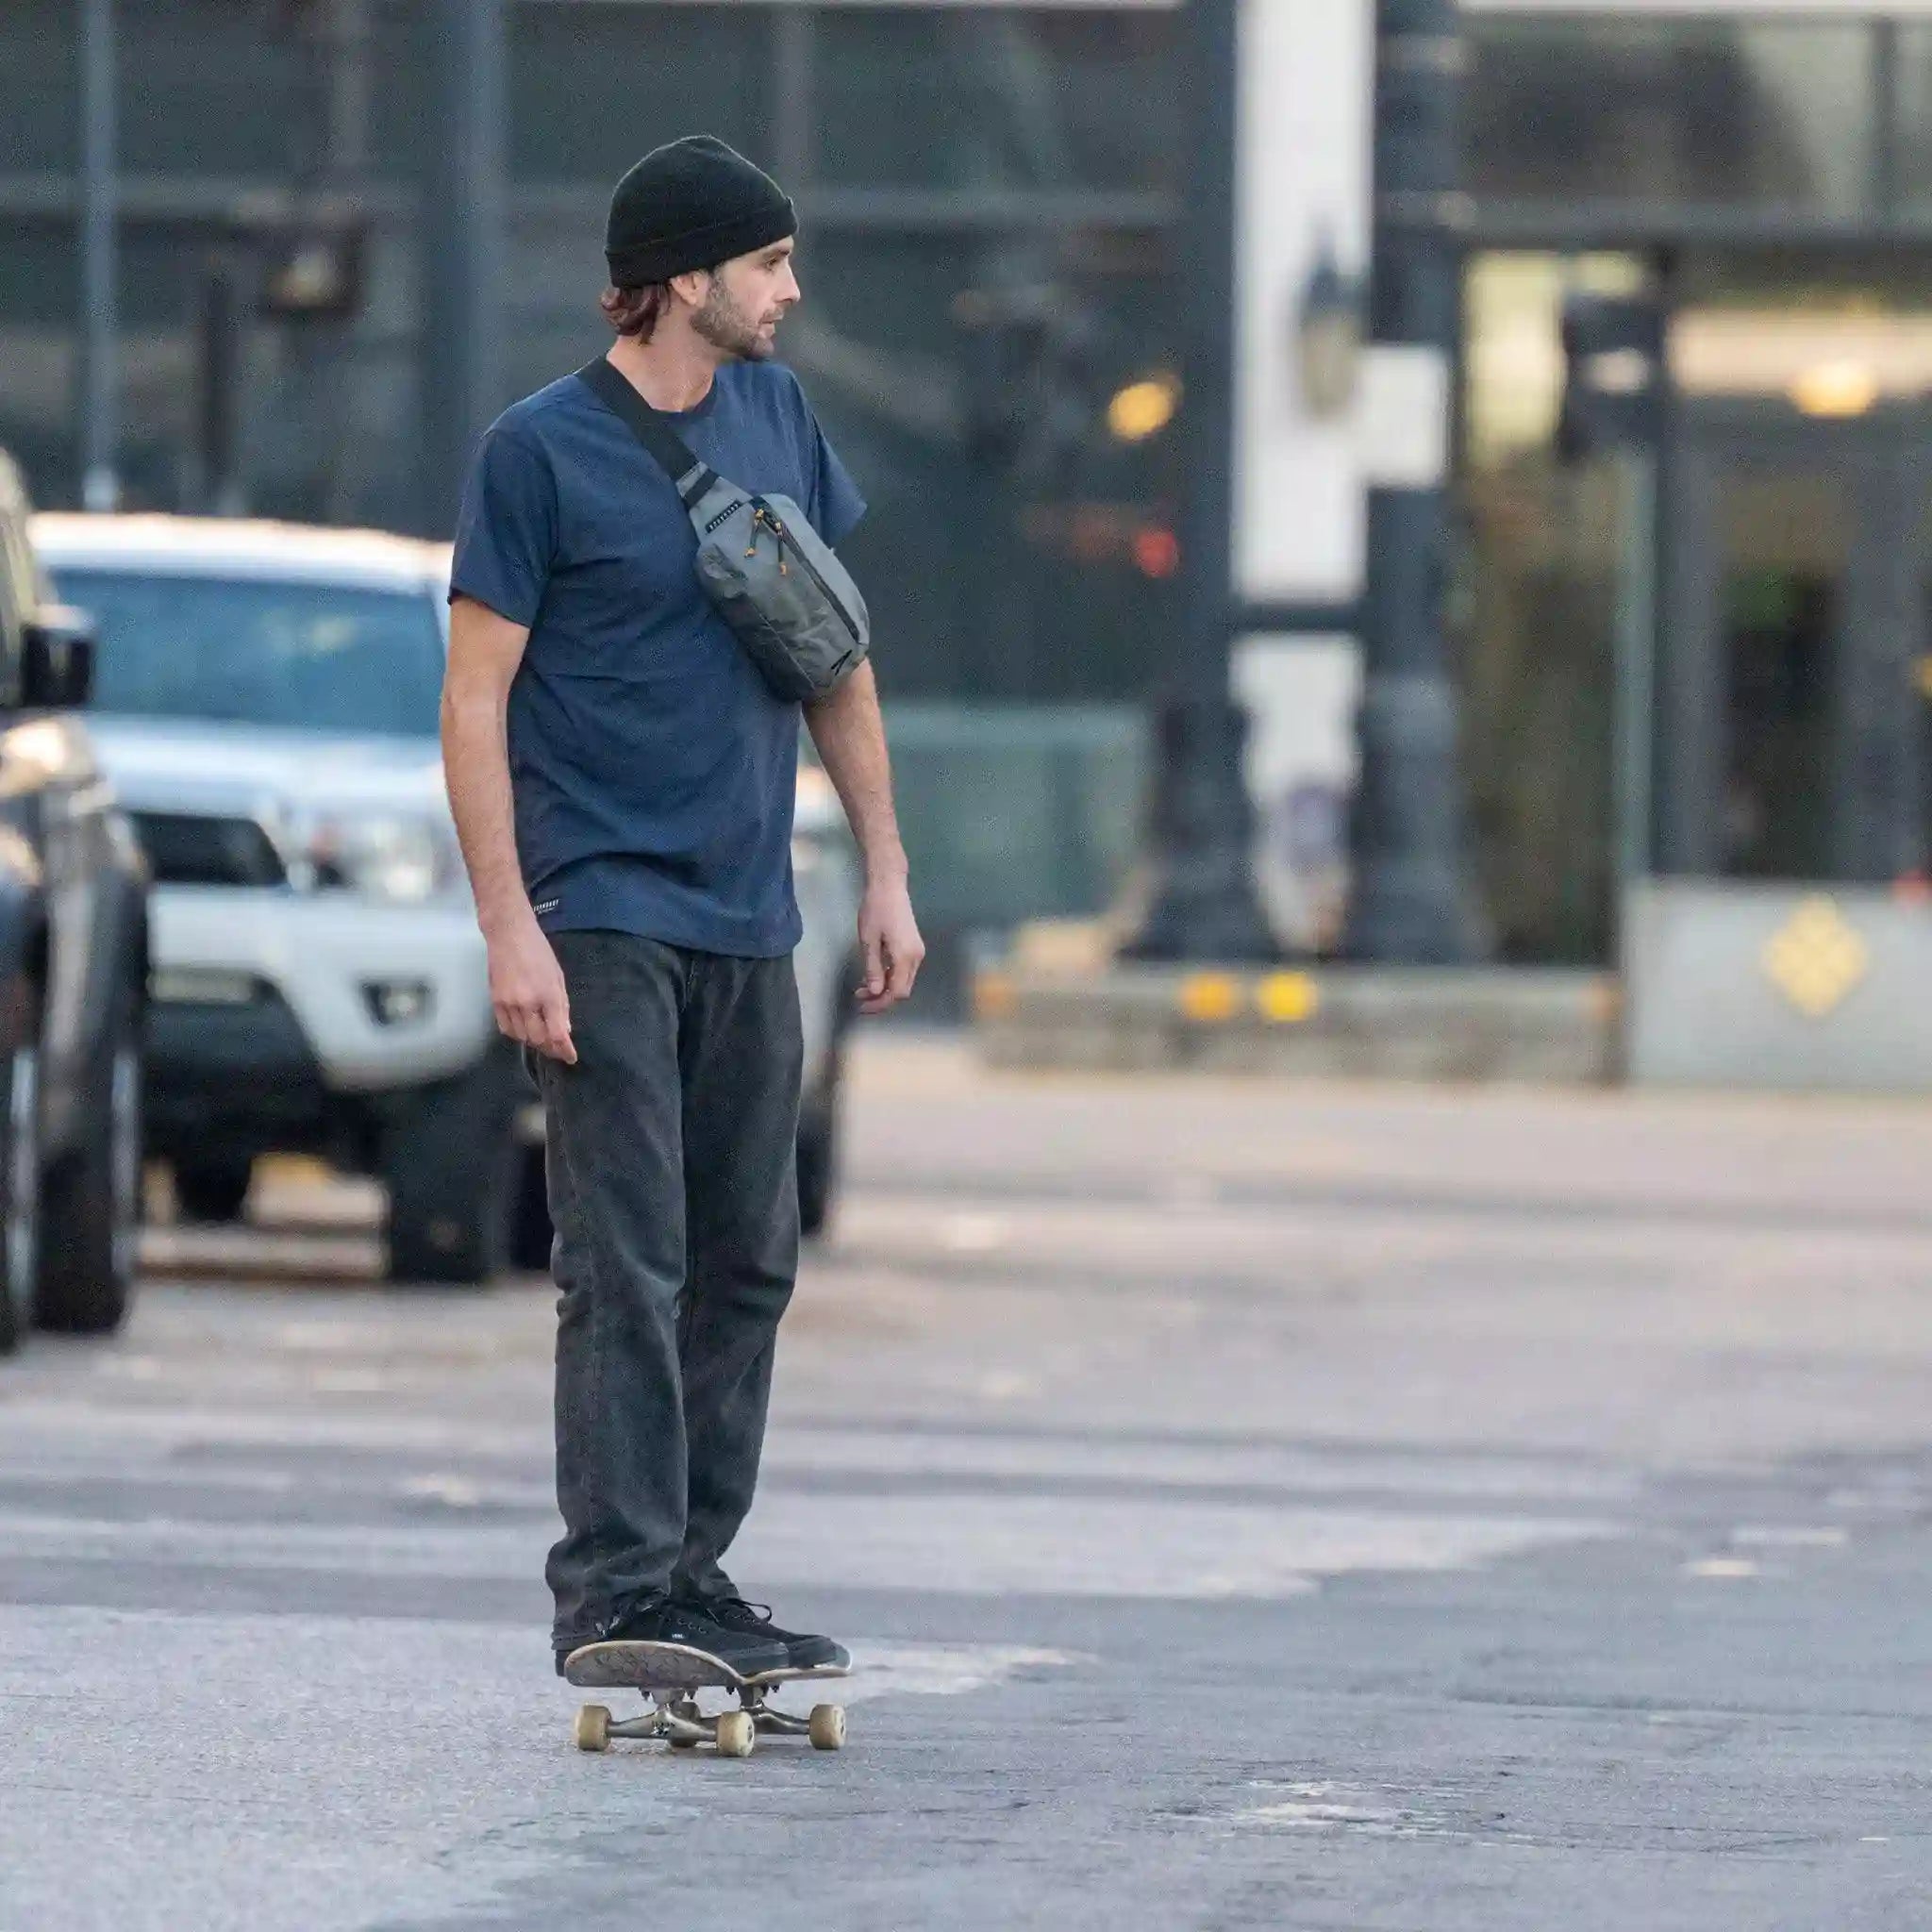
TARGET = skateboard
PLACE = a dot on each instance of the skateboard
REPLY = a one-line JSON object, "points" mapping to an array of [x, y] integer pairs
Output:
{"points": [[670, 1674]]}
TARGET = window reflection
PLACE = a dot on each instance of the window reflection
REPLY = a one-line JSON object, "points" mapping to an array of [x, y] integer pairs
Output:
{"points": [[1735, 114]]}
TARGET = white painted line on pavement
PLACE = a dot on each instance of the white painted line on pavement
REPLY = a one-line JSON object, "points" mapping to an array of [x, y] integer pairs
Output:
{"points": [[955, 1544]]}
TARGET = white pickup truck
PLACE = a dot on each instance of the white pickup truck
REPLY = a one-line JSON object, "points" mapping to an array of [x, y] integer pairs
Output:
{"points": [[266, 709]]}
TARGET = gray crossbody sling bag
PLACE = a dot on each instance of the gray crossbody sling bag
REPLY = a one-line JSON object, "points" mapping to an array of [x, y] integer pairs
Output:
{"points": [[790, 603]]}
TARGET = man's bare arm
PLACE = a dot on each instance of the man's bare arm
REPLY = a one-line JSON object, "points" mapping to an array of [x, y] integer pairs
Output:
{"points": [[526, 988], [851, 739]]}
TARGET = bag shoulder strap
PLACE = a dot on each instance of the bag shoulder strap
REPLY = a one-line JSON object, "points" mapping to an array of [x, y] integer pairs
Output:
{"points": [[692, 477]]}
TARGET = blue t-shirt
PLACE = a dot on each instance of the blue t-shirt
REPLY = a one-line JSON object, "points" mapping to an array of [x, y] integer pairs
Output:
{"points": [[652, 770]]}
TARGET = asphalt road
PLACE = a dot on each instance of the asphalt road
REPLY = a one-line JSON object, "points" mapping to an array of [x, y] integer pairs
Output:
{"points": [[1249, 1506]]}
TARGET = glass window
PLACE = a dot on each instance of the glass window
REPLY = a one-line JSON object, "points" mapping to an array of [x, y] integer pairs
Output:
{"points": [[1913, 82], [319, 657], [1513, 357], [1784, 538], [1720, 112], [38, 66], [593, 86], [1027, 560], [207, 88], [997, 98]]}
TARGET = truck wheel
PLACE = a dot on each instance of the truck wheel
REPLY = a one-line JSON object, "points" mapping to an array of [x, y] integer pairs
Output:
{"points": [[818, 1114], [531, 1238], [449, 1158], [212, 1191], [19, 1202], [90, 1211]]}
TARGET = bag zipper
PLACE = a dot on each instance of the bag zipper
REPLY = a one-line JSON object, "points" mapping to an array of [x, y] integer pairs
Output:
{"points": [[758, 517], [761, 513]]}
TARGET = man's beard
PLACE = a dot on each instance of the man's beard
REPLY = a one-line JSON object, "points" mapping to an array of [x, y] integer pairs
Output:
{"points": [[723, 324]]}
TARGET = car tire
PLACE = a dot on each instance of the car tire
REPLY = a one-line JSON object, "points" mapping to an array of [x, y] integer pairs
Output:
{"points": [[91, 1204], [19, 1190], [532, 1236], [212, 1191], [449, 1158]]}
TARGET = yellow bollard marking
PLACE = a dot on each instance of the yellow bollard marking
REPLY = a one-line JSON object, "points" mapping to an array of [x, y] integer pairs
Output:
{"points": [[1210, 996], [995, 996], [1288, 998]]}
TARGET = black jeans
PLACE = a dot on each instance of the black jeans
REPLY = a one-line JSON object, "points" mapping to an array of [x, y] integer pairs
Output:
{"points": [[672, 1179]]}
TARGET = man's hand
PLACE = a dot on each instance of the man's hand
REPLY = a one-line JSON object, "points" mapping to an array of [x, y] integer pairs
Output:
{"points": [[890, 944], [527, 991]]}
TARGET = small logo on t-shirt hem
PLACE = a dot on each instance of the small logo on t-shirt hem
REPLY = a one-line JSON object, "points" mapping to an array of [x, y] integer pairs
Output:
{"points": [[548, 905]]}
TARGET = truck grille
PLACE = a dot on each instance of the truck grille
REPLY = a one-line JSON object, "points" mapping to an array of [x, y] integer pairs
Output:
{"points": [[187, 849]]}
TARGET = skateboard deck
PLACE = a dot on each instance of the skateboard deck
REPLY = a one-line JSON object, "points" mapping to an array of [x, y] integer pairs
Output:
{"points": [[670, 1674]]}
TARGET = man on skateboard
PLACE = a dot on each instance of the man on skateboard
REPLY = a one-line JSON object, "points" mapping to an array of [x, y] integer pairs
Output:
{"points": [[622, 783]]}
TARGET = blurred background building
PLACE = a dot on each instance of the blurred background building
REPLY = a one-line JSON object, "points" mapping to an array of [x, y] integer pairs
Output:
{"points": [[996, 255]]}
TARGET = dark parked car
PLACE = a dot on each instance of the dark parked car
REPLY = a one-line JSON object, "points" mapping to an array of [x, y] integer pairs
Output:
{"points": [[73, 972]]}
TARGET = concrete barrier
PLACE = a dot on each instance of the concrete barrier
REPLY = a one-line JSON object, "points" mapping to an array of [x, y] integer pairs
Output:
{"points": [[1420, 1024]]}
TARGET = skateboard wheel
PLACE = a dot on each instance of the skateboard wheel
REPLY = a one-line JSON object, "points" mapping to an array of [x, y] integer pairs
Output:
{"points": [[736, 1734], [592, 1728], [827, 1727]]}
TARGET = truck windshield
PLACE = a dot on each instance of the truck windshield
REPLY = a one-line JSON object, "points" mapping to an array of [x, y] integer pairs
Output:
{"points": [[238, 650]]}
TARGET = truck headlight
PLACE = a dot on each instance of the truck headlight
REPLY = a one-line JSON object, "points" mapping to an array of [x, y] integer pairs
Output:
{"points": [[402, 858]]}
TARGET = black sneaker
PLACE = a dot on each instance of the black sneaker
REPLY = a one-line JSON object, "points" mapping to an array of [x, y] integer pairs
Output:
{"points": [[802, 1652], [748, 1649]]}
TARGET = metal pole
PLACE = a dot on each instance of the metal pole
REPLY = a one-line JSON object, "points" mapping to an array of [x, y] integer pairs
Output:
{"points": [[1636, 648], [219, 438], [461, 328], [345, 149], [345, 172], [1410, 902], [795, 90], [1203, 903], [1693, 738], [1888, 72], [100, 324]]}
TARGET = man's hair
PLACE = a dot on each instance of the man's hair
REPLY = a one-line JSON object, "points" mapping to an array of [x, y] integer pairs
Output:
{"points": [[636, 311]]}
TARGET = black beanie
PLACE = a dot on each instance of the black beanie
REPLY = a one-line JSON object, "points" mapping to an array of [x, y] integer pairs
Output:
{"points": [[692, 204]]}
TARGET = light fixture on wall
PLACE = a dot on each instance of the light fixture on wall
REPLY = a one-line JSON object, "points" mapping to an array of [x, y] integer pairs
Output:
{"points": [[1840, 387], [1327, 335], [314, 273]]}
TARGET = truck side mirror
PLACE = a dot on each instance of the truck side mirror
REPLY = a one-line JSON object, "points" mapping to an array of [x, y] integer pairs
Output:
{"points": [[58, 669]]}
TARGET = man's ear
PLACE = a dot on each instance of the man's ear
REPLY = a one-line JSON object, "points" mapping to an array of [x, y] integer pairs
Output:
{"points": [[691, 285]]}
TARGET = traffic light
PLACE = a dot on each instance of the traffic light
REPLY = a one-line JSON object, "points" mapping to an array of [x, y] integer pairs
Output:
{"points": [[1613, 372]]}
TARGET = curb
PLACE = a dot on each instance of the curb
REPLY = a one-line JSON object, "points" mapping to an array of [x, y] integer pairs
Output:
{"points": [[1407, 1023]]}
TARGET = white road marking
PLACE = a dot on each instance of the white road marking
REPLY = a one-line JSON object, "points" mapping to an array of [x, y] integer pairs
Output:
{"points": [[28, 1428], [1789, 1537], [1722, 1569], [938, 1669], [963, 1544]]}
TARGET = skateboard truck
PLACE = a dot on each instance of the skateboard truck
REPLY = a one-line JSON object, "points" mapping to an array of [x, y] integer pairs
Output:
{"points": [[667, 1675]]}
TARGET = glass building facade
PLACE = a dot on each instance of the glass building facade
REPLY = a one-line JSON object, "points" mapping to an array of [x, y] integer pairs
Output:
{"points": [[992, 252], [1766, 181]]}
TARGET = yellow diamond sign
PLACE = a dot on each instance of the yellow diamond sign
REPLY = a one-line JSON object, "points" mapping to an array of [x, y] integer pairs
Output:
{"points": [[1816, 959]]}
